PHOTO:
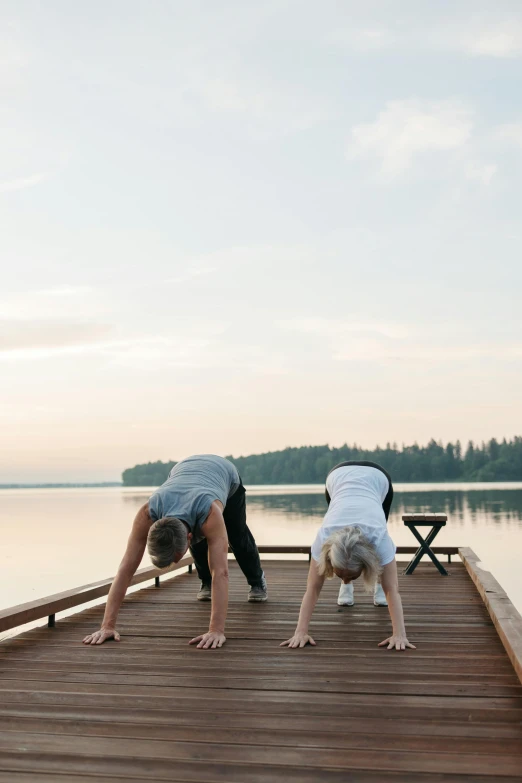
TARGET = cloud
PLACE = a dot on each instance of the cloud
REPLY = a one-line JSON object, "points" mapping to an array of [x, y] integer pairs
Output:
{"points": [[252, 256], [205, 350], [155, 351], [23, 335], [188, 348], [64, 301], [64, 290], [216, 77], [48, 339], [353, 341], [191, 274], [428, 352], [364, 39], [21, 183], [335, 328], [13, 57], [29, 152], [268, 110], [376, 341], [475, 36], [511, 132], [481, 172], [32, 340], [496, 39], [406, 129]]}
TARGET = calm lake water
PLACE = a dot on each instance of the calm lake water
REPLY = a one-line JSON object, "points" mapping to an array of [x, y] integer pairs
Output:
{"points": [[55, 539]]}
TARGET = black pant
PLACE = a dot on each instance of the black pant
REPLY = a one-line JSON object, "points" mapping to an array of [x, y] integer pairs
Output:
{"points": [[240, 539], [386, 504]]}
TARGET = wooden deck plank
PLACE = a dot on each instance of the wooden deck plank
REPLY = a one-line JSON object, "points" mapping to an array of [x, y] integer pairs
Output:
{"points": [[366, 671], [67, 768], [435, 760], [373, 726], [340, 739], [154, 708], [291, 683], [473, 709], [369, 683]]}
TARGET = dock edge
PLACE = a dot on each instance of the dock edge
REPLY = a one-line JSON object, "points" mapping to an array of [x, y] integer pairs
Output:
{"points": [[506, 618]]}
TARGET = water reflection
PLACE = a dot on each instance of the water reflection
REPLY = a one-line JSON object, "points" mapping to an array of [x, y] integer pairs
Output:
{"points": [[495, 505], [293, 505]]}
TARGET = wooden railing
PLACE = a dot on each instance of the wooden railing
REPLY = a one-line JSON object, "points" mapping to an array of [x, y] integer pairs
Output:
{"points": [[506, 618], [48, 606], [59, 602], [401, 550]]}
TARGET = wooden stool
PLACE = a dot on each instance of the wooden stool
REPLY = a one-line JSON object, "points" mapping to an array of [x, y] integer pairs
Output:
{"points": [[437, 521]]}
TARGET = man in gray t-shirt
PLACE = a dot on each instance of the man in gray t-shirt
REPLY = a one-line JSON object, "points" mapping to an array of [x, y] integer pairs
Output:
{"points": [[191, 488], [200, 506]]}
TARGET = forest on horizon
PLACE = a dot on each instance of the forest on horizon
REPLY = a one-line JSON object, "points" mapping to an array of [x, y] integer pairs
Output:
{"points": [[491, 461]]}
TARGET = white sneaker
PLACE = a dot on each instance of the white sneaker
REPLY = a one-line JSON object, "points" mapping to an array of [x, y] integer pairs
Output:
{"points": [[379, 598], [345, 597]]}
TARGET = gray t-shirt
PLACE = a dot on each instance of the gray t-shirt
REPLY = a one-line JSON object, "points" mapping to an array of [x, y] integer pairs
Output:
{"points": [[191, 488]]}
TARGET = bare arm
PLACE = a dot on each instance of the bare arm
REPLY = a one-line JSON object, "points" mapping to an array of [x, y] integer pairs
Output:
{"points": [[313, 590], [217, 539], [131, 560], [390, 585]]}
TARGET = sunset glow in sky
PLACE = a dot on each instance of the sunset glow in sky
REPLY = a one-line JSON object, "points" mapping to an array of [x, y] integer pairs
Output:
{"points": [[234, 226]]}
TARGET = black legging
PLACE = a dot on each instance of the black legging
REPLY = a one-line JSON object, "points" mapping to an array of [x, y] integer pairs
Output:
{"points": [[240, 539], [386, 504]]}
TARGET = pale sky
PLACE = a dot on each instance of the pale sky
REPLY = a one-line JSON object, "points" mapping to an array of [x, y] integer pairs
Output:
{"points": [[235, 226]]}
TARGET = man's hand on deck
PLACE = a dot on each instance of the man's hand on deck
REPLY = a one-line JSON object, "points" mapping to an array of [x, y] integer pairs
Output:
{"points": [[101, 636], [210, 640], [299, 639], [397, 642]]}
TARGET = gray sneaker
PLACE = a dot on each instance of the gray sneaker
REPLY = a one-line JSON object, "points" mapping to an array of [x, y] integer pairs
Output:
{"points": [[258, 593], [205, 592]]}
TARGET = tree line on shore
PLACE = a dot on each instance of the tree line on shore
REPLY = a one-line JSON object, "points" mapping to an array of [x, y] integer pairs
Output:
{"points": [[491, 461]]}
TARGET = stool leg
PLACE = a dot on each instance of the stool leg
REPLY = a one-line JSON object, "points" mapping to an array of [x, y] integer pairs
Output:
{"points": [[424, 549]]}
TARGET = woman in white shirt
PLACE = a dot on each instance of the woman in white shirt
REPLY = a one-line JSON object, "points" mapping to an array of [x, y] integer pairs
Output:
{"points": [[353, 541]]}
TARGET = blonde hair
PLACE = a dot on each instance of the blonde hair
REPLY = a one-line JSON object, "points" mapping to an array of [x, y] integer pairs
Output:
{"points": [[349, 549]]}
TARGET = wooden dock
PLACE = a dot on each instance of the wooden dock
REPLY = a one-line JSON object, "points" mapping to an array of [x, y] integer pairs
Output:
{"points": [[151, 708]]}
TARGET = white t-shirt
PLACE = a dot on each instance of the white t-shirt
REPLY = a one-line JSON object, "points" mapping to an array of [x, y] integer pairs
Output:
{"points": [[356, 494]]}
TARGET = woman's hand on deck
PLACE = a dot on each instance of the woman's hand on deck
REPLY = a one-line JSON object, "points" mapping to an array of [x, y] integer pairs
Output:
{"points": [[101, 636], [397, 642], [299, 639], [210, 640]]}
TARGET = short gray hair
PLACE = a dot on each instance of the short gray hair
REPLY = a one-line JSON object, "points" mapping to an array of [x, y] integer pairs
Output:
{"points": [[167, 538], [350, 549]]}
